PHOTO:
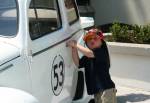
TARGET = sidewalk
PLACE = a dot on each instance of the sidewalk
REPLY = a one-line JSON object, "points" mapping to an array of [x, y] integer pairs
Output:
{"points": [[127, 95], [132, 95]]}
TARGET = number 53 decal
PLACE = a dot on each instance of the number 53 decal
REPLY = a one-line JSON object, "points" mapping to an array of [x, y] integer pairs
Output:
{"points": [[57, 75]]}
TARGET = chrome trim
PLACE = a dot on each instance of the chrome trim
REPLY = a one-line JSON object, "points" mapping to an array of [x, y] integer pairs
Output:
{"points": [[9, 60], [41, 51], [6, 67]]}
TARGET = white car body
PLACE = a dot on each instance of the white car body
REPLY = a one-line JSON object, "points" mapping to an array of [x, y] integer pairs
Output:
{"points": [[27, 66], [87, 22]]}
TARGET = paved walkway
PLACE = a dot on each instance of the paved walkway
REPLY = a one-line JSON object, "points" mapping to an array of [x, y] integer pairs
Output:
{"points": [[132, 95], [127, 95]]}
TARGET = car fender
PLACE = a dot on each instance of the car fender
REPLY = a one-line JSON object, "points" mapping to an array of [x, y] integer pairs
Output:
{"points": [[11, 95]]}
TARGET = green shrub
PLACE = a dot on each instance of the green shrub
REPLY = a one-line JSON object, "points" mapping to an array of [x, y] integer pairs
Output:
{"points": [[130, 34]]}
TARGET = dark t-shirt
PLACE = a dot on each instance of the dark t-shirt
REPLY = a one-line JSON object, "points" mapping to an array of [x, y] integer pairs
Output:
{"points": [[97, 70]]}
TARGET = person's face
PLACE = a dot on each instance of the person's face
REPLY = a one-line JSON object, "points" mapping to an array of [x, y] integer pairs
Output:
{"points": [[94, 42]]}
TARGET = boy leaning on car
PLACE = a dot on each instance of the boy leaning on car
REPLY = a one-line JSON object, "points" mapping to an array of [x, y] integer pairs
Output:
{"points": [[96, 62]]}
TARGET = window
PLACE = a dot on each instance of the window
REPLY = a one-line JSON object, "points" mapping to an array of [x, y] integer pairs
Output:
{"points": [[72, 12], [44, 17], [8, 18], [83, 2]]}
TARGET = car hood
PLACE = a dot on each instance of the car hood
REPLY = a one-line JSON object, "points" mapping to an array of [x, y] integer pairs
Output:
{"points": [[8, 52]]}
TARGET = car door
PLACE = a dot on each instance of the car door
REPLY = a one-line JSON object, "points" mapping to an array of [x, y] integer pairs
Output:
{"points": [[52, 70]]}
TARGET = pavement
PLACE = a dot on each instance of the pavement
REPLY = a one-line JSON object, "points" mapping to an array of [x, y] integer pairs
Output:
{"points": [[127, 95], [132, 95]]}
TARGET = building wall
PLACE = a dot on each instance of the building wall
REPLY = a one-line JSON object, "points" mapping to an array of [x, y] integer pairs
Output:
{"points": [[126, 11]]}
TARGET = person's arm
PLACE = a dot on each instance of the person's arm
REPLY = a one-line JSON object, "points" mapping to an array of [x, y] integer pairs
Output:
{"points": [[80, 62], [75, 56], [85, 51]]}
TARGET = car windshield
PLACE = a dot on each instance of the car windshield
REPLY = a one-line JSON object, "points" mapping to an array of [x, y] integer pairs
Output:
{"points": [[8, 18]]}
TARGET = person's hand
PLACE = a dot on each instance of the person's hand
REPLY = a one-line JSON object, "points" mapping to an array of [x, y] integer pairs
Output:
{"points": [[72, 43]]}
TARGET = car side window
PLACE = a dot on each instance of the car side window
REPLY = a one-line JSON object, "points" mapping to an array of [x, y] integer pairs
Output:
{"points": [[44, 17], [72, 11], [8, 18]]}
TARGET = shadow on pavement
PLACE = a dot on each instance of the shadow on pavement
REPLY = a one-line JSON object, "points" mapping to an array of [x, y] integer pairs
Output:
{"points": [[133, 98]]}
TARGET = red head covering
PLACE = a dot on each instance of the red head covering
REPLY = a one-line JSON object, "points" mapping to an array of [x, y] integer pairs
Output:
{"points": [[92, 33]]}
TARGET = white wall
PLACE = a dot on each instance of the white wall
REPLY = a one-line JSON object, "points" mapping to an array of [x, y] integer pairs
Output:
{"points": [[130, 64], [126, 11]]}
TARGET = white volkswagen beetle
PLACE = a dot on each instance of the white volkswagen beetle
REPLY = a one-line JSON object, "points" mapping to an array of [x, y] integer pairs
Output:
{"points": [[35, 64]]}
